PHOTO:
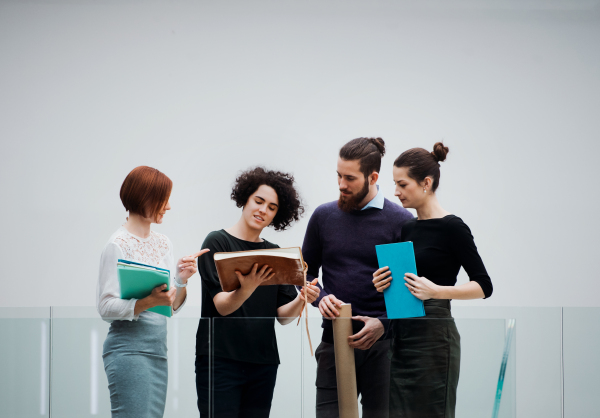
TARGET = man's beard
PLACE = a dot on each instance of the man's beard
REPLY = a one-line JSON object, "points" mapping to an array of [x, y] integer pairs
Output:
{"points": [[350, 203]]}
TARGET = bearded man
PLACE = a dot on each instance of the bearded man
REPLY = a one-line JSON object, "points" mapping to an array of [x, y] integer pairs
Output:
{"points": [[340, 238]]}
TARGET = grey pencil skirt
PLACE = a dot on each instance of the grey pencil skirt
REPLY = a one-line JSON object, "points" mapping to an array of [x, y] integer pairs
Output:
{"points": [[425, 364], [135, 361]]}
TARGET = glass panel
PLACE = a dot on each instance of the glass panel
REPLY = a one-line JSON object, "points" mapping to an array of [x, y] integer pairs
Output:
{"points": [[482, 348], [24, 362], [483, 343], [79, 382], [581, 346], [287, 396], [538, 355], [309, 364], [181, 394], [505, 404], [287, 390]]}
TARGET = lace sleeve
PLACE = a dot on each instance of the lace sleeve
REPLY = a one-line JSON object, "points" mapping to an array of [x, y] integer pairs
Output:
{"points": [[108, 299]]}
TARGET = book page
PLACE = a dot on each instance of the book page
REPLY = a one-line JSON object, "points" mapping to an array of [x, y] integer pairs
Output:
{"points": [[292, 253]]}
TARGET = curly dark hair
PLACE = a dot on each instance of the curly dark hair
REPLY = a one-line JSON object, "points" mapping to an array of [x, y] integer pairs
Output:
{"points": [[290, 204]]}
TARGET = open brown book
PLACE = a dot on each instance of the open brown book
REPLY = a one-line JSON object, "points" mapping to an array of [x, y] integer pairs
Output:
{"points": [[287, 264]]}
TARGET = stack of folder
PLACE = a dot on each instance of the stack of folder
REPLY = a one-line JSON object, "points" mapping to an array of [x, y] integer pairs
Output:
{"points": [[137, 281]]}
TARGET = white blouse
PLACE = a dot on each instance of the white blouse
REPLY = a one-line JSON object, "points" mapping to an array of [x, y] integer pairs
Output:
{"points": [[156, 250]]}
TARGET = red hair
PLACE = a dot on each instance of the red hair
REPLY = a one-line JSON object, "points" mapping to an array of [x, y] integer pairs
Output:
{"points": [[145, 191]]}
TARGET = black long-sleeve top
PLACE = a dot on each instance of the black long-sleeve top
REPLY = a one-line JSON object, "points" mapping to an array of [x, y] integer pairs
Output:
{"points": [[442, 246]]}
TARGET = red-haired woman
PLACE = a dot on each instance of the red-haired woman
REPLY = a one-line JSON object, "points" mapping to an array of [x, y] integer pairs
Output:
{"points": [[426, 351], [135, 350]]}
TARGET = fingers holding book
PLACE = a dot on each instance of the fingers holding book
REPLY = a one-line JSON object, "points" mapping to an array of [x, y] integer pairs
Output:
{"points": [[382, 279], [162, 297], [253, 279]]}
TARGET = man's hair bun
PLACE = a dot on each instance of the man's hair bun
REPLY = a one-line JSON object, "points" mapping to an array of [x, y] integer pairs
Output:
{"points": [[380, 144], [367, 150], [439, 152]]}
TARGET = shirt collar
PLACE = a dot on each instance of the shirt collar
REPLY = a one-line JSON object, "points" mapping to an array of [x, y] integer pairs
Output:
{"points": [[376, 202]]}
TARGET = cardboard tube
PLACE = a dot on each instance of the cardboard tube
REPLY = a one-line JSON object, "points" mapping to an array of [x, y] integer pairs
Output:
{"points": [[344, 364]]}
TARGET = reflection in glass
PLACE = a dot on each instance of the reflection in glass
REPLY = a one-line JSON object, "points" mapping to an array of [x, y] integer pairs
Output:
{"points": [[43, 368], [510, 329], [94, 357]]}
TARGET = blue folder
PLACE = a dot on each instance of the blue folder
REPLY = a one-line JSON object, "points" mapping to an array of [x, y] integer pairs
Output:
{"points": [[400, 258]]}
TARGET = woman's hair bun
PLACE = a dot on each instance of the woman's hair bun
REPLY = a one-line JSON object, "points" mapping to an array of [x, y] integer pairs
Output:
{"points": [[439, 152], [378, 142]]}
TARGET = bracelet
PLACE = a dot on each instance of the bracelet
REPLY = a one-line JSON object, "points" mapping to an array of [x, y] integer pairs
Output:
{"points": [[177, 284]]}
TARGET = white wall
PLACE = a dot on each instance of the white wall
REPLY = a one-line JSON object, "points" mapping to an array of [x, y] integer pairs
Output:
{"points": [[201, 90]]}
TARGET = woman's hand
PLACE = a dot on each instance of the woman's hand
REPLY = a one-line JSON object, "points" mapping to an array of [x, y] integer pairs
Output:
{"points": [[382, 279], [312, 290], [158, 297], [187, 266], [421, 287], [253, 279]]}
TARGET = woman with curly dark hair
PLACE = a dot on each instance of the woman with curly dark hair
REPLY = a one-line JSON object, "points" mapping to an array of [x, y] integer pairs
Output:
{"points": [[244, 352]]}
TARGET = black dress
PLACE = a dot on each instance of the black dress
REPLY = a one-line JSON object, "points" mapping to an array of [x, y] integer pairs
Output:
{"points": [[240, 378], [426, 351]]}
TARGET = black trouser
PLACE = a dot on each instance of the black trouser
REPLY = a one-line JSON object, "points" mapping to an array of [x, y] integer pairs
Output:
{"points": [[425, 364], [239, 389], [372, 379]]}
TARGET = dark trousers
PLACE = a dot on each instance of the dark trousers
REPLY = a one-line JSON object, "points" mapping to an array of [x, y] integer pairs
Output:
{"points": [[372, 379], [425, 364], [239, 389]]}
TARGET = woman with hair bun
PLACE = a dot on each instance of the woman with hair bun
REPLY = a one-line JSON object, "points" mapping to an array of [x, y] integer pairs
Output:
{"points": [[426, 351], [135, 349]]}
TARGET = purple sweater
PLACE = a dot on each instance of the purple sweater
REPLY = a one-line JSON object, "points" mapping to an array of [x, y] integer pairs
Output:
{"points": [[343, 245]]}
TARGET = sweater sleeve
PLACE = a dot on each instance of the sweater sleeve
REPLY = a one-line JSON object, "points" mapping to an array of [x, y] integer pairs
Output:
{"points": [[109, 304], [312, 252], [463, 246]]}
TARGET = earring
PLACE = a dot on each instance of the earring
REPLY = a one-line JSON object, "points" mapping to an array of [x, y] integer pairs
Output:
{"points": [[424, 191]]}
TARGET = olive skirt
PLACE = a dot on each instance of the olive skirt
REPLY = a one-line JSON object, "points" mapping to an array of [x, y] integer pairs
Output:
{"points": [[425, 364]]}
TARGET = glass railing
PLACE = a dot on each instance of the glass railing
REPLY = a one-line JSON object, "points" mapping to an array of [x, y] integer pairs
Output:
{"points": [[483, 344], [25, 362], [525, 362], [581, 366], [78, 380]]}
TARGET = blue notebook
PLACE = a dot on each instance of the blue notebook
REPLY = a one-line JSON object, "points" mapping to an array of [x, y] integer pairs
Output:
{"points": [[137, 281], [400, 258]]}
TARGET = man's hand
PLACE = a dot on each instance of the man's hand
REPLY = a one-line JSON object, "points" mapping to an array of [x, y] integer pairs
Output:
{"points": [[366, 337], [329, 305]]}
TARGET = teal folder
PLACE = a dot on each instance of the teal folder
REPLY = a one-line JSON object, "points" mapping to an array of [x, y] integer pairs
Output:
{"points": [[400, 258], [137, 281]]}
